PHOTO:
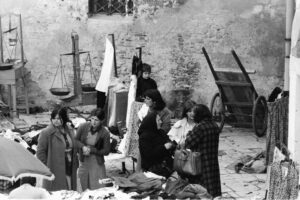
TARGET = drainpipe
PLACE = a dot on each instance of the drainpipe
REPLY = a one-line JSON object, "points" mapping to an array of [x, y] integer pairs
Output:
{"points": [[290, 11]]}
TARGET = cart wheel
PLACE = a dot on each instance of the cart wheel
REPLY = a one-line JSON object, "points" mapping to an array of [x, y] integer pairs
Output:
{"points": [[217, 110], [260, 116]]}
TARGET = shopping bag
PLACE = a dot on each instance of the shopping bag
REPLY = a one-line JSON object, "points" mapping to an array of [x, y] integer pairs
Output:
{"points": [[187, 162]]}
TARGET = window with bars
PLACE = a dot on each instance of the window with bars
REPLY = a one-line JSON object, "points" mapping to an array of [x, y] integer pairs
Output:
{"points": [[109, 7]]}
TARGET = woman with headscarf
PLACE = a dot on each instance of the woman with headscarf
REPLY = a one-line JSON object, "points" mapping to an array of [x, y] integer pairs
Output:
{"points": [[204, 138], [57, 149]]}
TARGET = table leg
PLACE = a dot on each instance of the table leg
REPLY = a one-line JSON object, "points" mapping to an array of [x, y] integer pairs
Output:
{"points": [[9, 99], [26, 99], [14, 100]]}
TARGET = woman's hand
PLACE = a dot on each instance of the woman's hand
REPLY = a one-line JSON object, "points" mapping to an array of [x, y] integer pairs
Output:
{"points": [[158, 121], [69, 125], [168, 145], [86, 150]]}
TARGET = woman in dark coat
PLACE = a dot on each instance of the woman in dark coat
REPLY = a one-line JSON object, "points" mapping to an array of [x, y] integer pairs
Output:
{"points": [[204, 138], [154, 147], [57, 149], [156, 104]]}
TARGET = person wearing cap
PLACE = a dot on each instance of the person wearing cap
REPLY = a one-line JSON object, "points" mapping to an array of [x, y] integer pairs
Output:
{"points": [[144, 83]]}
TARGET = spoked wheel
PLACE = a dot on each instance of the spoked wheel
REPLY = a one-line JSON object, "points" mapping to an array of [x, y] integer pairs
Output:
{"points": [[260, 116], [217, 110]]}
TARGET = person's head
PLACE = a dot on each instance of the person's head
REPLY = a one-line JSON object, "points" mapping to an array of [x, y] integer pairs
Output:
{"points": [[187, 109], [200, 112], [154, 100], [97, 116], [146, 71], [60, 117]]}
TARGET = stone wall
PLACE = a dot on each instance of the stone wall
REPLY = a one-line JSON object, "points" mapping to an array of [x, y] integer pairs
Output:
{"points": [[173, 33]]}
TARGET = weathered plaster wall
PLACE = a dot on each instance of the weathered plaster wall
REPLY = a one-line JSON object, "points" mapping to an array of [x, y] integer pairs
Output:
{"points": [[173, 33]]}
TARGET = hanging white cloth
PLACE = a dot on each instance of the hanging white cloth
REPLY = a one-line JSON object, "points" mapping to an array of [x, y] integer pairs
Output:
{"points": [[294, 73], [107, 68], [131, 97], [143, 112]]}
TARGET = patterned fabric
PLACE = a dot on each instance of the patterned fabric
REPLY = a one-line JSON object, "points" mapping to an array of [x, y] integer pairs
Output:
{"points": [[131, 137], [277, 130], [283, 183], [4, 184], [204, 138]]}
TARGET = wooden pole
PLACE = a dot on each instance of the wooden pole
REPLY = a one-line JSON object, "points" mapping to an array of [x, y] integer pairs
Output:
{"points": [[140, 52], [23, 65], [21, 40], [76, 64], [290, 11]]}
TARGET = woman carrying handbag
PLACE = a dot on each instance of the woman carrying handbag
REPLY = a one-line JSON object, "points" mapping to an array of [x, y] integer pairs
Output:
{"points": [[204, 138]]}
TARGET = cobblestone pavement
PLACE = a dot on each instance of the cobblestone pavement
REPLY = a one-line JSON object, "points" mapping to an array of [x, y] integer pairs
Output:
{"points": [[234, 143]]}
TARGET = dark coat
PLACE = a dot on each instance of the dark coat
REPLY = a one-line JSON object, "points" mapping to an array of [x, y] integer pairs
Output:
{"points": [[102, 146], [51, 151], [142, 86], [204, 138], [151, 143]]}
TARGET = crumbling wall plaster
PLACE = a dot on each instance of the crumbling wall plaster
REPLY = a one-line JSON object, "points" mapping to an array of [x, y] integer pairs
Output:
{"points": [[173, 33]]}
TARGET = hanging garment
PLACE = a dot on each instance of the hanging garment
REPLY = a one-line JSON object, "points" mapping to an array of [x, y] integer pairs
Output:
{"points": [[119, 107], [143, 112], [137, 66], [277, 131], [131, 137], [283, 182], [107, 68], [278, 156], [131, 97], [101, 99]]}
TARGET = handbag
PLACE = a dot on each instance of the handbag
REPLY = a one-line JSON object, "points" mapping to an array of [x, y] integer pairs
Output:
{"points": [[187, 162]]}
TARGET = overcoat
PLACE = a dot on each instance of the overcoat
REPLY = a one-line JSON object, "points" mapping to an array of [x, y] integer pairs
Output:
{"points": [[204, 138], [51, 151], [102, 146], [151, 143]]}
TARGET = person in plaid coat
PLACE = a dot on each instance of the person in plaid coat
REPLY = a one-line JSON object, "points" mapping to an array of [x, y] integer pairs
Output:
{"points": [[204, 138]]}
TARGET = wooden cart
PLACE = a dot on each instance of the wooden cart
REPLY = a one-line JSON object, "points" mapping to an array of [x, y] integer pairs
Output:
{"points": [[237, 102]]}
